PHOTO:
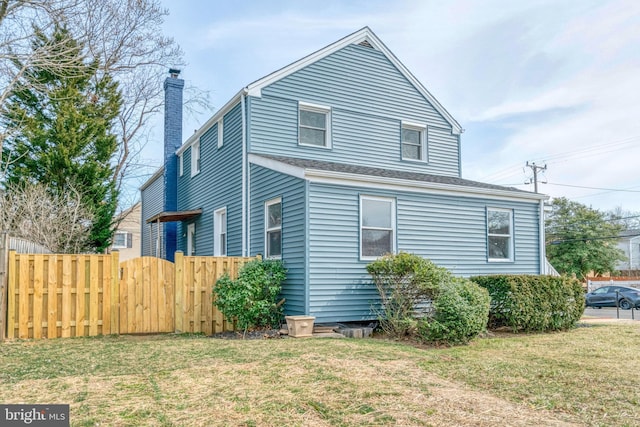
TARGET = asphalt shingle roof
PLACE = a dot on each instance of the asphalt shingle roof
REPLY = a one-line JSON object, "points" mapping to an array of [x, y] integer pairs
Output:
{"points": [[386, 173]]}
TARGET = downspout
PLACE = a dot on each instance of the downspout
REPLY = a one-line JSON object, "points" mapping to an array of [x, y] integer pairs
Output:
{"points": [[245, 231]]}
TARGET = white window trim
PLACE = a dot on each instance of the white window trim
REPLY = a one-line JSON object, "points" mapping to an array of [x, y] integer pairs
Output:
{"points": [[306, 106], [220, 133], [267, 230], [422, 128], [217, 226], [191, 239], [394, 226], [511, 236], [196, 159], [126, 240], [180, 165]]}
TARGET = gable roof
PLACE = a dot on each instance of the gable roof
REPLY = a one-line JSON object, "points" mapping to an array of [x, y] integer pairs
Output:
{"points": [[365, 37], [313, 169]]}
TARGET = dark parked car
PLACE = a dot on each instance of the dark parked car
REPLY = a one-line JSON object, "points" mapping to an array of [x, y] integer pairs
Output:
{"points": [[607, 296]]}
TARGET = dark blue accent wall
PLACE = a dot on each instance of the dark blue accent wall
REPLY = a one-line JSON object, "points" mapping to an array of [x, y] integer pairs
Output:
{"points": [[172, 141]]}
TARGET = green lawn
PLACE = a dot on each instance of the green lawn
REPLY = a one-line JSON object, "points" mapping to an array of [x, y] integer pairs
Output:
{"points": [[587, 376]]}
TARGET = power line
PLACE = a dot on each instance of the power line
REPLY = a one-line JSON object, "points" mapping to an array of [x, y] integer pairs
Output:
{"points": [[596, 188]]}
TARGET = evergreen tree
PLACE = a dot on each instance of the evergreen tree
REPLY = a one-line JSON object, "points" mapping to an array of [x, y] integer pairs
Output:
{"points": [[64, 136], [581, 240]]}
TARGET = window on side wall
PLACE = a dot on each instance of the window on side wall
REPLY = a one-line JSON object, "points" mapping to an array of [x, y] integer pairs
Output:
{"points": [[377, 226], [180, 165], [500, 234], [220, 133], [220, 232], [191, 239], [122, 240], [414, 146], [273, 228], [195, 158], [314, 125]]}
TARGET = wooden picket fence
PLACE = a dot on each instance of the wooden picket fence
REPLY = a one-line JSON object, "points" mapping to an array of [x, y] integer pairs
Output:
{"points": [[53, 295]]}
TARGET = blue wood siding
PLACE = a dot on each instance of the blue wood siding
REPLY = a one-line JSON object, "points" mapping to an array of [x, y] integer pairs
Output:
{"points": [[152, 197], [267, 185], [218, 184], [449, 230], [369, 99]]}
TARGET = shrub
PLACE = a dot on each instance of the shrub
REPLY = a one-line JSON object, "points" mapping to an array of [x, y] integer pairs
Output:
{"points": [[251, 299], [533, 303], [460, 313], [404, 282], [425, 301]]}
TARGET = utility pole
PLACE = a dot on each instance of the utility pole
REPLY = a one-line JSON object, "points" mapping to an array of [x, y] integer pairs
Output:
{"points": [[535, 168]]}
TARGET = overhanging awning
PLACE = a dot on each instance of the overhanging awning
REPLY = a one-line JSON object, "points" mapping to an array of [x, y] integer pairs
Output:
{"points": [[174, 216]]}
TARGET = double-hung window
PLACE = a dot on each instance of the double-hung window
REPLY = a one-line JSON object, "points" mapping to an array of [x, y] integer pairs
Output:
{"points": [[180, 164], [500, 234], [314, 125], [273, 228], [220, 232], [195, 158], [377, 226], [414, 142]]}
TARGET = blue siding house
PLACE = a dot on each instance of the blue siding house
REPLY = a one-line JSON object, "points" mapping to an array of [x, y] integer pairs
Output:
{"points": [[327, 164]]}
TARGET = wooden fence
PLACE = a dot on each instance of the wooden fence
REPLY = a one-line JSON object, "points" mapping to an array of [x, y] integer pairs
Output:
{"points": [[53, 295]]}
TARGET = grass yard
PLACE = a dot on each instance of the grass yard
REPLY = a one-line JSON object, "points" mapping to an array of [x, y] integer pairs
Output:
{"points": [[588, 376]]}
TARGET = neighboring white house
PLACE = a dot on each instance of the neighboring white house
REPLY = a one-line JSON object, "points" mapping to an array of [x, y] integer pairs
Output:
{"points": [[629, 243], [126, 239]]}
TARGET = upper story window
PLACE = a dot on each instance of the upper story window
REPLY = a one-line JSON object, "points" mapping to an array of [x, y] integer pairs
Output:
{"points": [[314, 125], [377, 226], [414, 145], [195, 158], [273, 228], [180, 164], [220, 133], [500, 234], [220, 232]]}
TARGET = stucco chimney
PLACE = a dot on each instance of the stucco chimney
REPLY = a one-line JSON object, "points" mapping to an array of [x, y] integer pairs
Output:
{"points": [[173, 87]]}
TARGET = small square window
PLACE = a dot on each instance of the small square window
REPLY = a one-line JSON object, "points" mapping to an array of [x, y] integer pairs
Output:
{"points": [[121, 240]]}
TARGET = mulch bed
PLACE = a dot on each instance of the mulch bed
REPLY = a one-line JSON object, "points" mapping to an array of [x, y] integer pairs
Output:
{"points": [[258, 334]]}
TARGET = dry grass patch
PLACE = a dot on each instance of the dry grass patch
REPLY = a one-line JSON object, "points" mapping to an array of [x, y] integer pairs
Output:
{"points": [[195, 381]]}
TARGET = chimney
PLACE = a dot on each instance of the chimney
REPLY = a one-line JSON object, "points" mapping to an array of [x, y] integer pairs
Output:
{"points": [[172, 141]]}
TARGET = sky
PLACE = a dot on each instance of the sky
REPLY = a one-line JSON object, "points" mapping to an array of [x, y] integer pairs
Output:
{"points": [[550, 82]]}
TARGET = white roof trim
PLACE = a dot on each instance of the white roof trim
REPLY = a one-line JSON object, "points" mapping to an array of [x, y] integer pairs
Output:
{"points": [[396, 184], [255, 88], [213, 120], [277, 166]]}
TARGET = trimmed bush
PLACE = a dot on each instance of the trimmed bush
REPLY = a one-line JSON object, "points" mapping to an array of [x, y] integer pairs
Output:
{"points": [[423, 301], [533, 303], [251, 299], [461, 310], [404, 282]]}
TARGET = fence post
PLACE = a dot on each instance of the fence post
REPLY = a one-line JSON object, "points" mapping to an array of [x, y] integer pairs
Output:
{"points": [[178, 291], [4, 295], [115, 292]]}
